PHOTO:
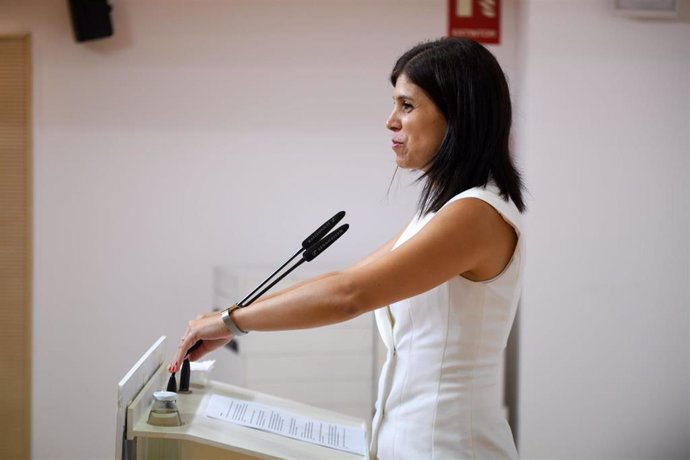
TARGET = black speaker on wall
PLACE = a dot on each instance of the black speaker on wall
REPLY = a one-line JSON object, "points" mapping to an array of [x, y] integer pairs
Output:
{"points": [[90, 19]]}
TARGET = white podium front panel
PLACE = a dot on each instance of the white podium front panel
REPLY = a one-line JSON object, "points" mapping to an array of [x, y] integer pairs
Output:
{"points": [[130, 386]]}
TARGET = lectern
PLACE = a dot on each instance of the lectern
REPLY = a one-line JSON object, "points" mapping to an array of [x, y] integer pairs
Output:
{"points": [[202, 437]]}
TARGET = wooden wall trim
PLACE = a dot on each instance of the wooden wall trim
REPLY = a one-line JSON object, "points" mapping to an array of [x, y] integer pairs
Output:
{"points": [[15, 246]]}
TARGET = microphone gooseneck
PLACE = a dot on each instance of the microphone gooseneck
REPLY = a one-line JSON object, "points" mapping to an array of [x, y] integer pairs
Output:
{"points": [[307, 243], [309, 255], [312, 246]]}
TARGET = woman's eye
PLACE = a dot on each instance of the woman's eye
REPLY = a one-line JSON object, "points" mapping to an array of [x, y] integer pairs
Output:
{"points": [[407, 106]]}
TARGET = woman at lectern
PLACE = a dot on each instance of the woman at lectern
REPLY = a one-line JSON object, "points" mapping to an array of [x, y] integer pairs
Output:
{"points": [[445, 289]]}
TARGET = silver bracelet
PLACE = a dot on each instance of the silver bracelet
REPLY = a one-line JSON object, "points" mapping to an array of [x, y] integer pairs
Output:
{"points": [[229, 323]]}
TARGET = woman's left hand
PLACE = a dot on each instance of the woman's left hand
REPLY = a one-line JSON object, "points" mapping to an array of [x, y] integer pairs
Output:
{"points": [[210, 330]]}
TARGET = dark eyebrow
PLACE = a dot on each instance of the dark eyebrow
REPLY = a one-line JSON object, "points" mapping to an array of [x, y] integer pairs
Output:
{"points": [[403, 97]]}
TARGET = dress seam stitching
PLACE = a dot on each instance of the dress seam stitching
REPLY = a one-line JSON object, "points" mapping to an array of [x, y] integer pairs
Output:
{"points": [[473, 380], [438, 386]]}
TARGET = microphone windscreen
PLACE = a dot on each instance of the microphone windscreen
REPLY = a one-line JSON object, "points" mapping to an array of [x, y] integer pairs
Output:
{"points": [[321, 231], [311, 253]]}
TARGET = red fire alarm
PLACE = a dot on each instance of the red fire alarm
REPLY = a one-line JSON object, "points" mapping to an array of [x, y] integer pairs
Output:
{"points": [[479, 20]]}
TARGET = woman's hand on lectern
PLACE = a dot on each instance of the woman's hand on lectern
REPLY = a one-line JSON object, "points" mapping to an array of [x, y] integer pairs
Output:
{"points": [[208, 328]]}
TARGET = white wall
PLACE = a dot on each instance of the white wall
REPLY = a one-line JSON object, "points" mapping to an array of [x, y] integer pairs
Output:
{"points": [[605, 328], [203, 133], [192, 139], [192, 136]]}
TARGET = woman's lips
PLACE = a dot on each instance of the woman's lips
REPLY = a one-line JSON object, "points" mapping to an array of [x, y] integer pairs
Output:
{"points": [[396, 144]]}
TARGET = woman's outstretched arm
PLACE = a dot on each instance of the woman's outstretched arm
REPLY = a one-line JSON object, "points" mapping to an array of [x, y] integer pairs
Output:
{"points": [[463, 236]]}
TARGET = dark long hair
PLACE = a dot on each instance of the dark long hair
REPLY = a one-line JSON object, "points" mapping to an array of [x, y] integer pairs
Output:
{"points": [[468, 86]]}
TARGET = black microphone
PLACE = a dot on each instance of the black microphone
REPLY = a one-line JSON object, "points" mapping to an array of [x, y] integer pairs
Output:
{"points": [[312, 246], [309, 241], [321, 245], [309, 255], [321, 231]]}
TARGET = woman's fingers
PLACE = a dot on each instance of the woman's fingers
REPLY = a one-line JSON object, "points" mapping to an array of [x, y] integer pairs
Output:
{"points": [[185, 344], [174, 365], [208, 328]]}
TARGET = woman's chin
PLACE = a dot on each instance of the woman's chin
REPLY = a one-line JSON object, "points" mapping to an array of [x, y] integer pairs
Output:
{"points": [[402, 162]]}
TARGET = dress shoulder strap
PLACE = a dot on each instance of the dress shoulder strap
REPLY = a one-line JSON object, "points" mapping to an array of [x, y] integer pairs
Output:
{"points": [[492, 195]]}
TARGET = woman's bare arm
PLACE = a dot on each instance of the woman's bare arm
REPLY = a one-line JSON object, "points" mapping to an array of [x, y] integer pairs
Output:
{"points": [[381, 250], [462, 237]]}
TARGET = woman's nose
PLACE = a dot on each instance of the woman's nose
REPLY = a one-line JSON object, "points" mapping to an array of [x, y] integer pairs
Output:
{"points": [[393, 122]]}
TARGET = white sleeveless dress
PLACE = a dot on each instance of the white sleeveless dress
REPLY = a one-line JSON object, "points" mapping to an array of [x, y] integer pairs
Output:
{"points": [[438, 394]]}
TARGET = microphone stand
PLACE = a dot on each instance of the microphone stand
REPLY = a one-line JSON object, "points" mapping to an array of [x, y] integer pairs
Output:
{"points": [[312, 246]]}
